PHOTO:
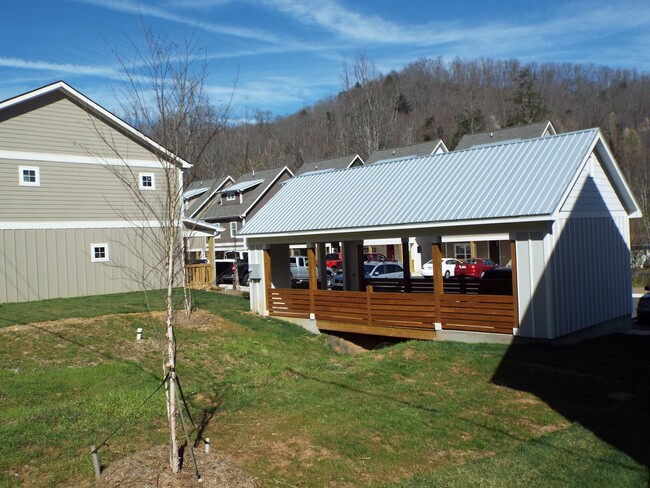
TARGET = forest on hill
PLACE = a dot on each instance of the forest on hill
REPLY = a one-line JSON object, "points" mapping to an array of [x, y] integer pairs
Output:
{"points": [[435, 99]]}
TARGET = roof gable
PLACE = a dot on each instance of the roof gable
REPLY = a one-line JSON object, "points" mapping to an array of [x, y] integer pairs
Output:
{"points": [[62, 88], [253, 187], [421, 149], [195, 208], [523, 180], [341, 162], [520, 132]]}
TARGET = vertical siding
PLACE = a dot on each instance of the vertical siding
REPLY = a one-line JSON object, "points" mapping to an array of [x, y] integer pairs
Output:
{"points": [[532, 278], [591, 260], [55, 263]]}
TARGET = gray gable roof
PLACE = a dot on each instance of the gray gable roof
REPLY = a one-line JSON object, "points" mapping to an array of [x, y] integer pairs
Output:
{"points": [[341, 162], [420, 149], [519, 181], [196, 205], [519, 132], [217, 212]]}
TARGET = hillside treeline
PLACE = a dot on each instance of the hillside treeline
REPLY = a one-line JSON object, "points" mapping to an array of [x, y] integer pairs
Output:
{"points": [[432, 98]]}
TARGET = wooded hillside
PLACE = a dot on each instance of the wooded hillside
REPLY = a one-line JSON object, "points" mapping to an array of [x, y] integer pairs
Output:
{"points": [[431, 99]]}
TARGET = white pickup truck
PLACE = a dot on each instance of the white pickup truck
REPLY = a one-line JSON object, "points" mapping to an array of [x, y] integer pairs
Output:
{"points": [[299, 270]]}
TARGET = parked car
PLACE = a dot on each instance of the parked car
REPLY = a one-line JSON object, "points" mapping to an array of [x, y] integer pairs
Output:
{"points": [[232, 261], [373, 269], [334, 261], [496, 281], [448, 267], [299, 271], [474, 267], [643, 308]]}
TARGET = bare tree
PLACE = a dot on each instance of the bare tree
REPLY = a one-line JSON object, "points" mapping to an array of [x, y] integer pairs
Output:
{"points": [[164, 97]]}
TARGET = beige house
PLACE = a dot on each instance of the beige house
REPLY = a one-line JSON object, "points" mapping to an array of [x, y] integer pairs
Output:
{"points": [[73, 179]]}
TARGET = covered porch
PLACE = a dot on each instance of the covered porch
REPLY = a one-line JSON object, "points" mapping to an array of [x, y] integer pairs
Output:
{"points": [[412, 307]]}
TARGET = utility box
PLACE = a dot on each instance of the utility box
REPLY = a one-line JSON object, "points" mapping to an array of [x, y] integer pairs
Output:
{"points": [[255, 272]]}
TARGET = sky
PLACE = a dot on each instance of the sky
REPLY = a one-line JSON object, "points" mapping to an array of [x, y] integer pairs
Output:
{"points": [[282, 55]]}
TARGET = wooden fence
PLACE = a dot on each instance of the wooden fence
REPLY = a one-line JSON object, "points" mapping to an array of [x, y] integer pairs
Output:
{"points": [[198, 275]]}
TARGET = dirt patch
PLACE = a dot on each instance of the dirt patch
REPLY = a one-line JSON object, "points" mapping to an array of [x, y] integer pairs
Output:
{"points": [[151, 469], [341, 346]]}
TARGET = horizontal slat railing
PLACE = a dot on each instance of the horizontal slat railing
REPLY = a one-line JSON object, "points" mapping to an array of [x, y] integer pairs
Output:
{"points": [[285, 302], [478, 313], [398, 310]]}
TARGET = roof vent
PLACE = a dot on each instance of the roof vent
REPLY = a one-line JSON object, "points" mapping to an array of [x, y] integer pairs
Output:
{"points": [[491, 135]]}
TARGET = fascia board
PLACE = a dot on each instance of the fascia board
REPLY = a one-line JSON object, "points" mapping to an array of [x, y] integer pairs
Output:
{"points": [[404, 229]]}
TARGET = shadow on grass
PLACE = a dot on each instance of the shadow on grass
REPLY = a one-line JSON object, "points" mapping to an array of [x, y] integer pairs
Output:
{"points": [[603, 384]]}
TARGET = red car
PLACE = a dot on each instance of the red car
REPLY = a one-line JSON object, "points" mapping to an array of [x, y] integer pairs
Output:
{"points": [[474, 267], [334, 260]]}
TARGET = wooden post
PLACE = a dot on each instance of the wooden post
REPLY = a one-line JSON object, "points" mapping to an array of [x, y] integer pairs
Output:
{"points": [[438, 287], [95, 455], [406, 262], [369, 291], [212, 275], [313, 281], [515, 290]]}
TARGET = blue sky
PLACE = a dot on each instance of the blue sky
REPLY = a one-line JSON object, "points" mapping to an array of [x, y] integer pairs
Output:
{"points": [[286, 54]]}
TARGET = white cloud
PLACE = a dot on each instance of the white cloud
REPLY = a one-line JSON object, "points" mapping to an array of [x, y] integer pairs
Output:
{"points": [[136, 8], [71, 69]]}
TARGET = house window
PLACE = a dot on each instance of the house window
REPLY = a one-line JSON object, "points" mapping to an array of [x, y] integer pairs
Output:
{"points": [[233, 229], [147, 181], [230, 197], [99, 253], [463, 251], [29, 176]]}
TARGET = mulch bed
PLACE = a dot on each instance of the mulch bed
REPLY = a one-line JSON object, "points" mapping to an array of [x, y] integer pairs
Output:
{"points": [[151, 469]]}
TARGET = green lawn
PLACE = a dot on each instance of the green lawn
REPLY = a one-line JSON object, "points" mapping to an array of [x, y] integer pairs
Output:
{"points": [[292, 411]]}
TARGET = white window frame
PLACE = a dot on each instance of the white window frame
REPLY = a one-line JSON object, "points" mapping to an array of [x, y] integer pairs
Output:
{"points": [[21, 175], [141, 178], [93, 255], [466, 246], [233, 224], [231, 197]]}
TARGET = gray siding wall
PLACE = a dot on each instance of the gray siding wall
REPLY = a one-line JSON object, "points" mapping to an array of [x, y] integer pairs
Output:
{"points": [[56, 263], [74, 192], [63, 127]]}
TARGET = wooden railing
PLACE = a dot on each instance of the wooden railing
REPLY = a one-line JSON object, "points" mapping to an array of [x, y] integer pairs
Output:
{"points": [[197, 275], [478, 313], [395, 313]]}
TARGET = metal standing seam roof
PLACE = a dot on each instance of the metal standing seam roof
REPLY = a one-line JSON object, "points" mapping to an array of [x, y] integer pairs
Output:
{"points": [[511, 179]]}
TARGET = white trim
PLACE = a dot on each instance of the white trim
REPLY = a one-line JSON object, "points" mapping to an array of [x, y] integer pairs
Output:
{"points": [[94, 224], [94, 247], [77, 159], [477, 237], [142, 186], [21, 176]]}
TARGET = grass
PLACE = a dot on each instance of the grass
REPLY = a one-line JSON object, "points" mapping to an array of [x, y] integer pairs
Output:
{"points": [[290, 410]]}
